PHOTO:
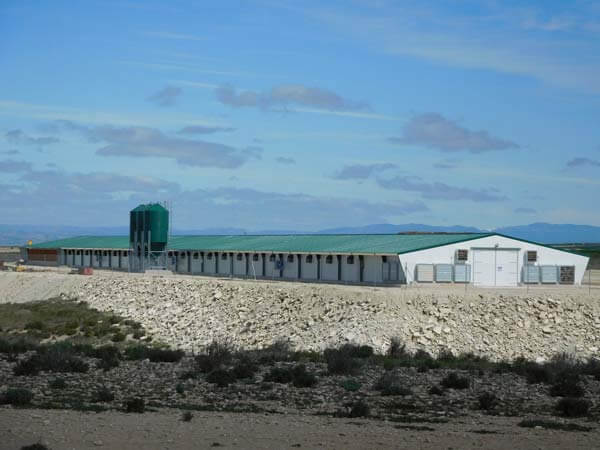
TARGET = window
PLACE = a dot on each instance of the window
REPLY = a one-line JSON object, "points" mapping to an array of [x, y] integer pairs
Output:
{"points": [[329, 259], [350, 259], [87, 252], [195, 255], [115, 253], [104, 253], [78, 252], [531, 256], [255, 257], [209, 256], [170, 254], [271, 258], [182, 255], [384, 259], [462, 255], [239, 256], [290, 258], [223, 256], [309, 259]]}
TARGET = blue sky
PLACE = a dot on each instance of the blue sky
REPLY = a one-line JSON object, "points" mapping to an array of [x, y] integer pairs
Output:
{"points": [[300, 115]]}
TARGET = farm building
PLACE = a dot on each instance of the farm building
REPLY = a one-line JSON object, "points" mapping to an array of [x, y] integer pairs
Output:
{"points": [[483, 259]]}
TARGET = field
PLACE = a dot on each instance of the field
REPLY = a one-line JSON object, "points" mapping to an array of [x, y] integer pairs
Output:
{"points": [[65, 362]]}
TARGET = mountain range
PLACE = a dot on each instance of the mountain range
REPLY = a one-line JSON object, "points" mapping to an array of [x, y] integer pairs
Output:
{"points": [[545, 233]]}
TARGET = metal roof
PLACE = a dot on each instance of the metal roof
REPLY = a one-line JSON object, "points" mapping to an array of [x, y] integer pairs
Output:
{"points": [[296, 243]]}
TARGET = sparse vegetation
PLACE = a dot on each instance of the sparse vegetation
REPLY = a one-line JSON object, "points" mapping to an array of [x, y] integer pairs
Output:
{"points": [[455, 381], [221, 377], [154, 354], [572, 407], [342, 361], [36, 446], [16, 397], [390, 384], [103, 395], [57, 383], [135, 405], [187, 416], [359, 409], [51, 359], [215, 356], [179, 388], [487, 401], [553, 425], [350, 385]]}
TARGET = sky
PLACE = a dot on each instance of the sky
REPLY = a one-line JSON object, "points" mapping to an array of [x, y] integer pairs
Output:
{"points": [[300, 115]]}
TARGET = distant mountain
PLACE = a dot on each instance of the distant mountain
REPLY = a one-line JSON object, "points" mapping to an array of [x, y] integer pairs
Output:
{"points": [[549, 233], [386, 228], [539, 232]]}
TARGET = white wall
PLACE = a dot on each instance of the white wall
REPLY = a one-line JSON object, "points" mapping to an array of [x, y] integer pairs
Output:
{"points": [[446, 254], [239, 265], [182, 262], [87, 258], [255, 268], [209, 264], [196, 262], [271, 270], [329, 272], [351, 272], [224, 264], [309, 270], [114, 259], [372, 272], [290, 268]]}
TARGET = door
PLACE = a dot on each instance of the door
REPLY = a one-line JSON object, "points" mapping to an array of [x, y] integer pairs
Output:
{"points": [[495, 267]]}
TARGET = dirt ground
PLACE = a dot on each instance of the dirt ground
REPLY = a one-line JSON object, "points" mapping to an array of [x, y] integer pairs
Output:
{"points": [[164, 429]]}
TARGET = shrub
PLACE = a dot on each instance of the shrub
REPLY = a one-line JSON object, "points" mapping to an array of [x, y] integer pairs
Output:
{"points": [[279, 375], [36, 446], [179, 388], [302, 378], [220, 377], [216, 355], [103, 395], [340, 361], [17, 345], [138, 352], [566, 385], [57, 383], [572, 407], [16, 397], [390, 384], [35, 325], [187, 416], [135, 405], [51, 360], [435, 390], [454, 381], [397, 348], [118, 337], [278, 351], [487, 401], [357, 351], [359, 409], [350, 384], [245, 367]]}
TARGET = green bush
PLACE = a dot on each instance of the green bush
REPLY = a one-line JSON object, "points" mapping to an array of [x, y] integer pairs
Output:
{"points": [[301, 378], [245, 367], [18, 345], [566, 384], [187, 416], [50, 360], [390, 384], [118, 337], [281, 375], [57, 383], [35, 325], [103, 395], [220, 377], [16, 397], [551, 425], [397, 348], [350, 385], [341, 361], [217, 354], [135, 405], [435, 390], [454, 381], [36, 446], [572, 407], [179, 388], [359, 409], [138, 352], [487, 401]]}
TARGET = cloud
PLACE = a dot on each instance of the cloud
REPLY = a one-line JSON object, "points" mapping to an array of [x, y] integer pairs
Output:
{"points": [[271, 210], [144, 142], [362, 171], [165, 97], [446, 164], [285, 160], [438, 190], [200, 129], [432, 130], [525, 211], [20, 137], [286, 95], [11, 166], [10, 152], [578, 162]]}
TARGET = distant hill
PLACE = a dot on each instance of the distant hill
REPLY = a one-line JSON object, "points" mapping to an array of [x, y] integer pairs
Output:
{"points": [[539, 232]]}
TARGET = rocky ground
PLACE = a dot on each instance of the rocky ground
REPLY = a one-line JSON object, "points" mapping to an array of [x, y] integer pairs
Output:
{"points": [[189, 312]]}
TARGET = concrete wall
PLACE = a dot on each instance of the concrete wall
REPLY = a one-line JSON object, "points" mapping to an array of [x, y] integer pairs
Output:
{"points": [[209, 263], [239, 264], [350, 268], [309, 269], [271, 270], [224, 264], [290, 266], [182, 262], [255, 265], [447, 253], [329, 270]]}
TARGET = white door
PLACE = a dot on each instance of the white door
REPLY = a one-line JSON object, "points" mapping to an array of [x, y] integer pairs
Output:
{"points": [[506, 267], [483, 267], [495, 267]]}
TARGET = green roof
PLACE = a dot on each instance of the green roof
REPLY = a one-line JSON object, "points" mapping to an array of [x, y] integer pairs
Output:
{"points": [[296, 243]]}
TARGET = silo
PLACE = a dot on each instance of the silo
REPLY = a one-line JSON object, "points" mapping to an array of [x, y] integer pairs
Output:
{"points": [[149, 223]]}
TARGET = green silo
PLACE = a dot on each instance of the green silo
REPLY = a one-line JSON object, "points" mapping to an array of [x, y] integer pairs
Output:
{"points": [[149, 222]]}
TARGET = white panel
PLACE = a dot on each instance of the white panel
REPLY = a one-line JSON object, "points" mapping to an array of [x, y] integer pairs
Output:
{"points": [[329, 271], [424, 273], [373, 269], [255, 268], [309, 269], [290, 268], [239, 266], [507, 264], [483, 267]]}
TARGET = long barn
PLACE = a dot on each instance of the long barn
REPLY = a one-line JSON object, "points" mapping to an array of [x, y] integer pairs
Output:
{"points": [[481, 259]]}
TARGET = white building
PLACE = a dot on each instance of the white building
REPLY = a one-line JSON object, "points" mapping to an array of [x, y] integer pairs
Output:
{"points": [[481, 259]]}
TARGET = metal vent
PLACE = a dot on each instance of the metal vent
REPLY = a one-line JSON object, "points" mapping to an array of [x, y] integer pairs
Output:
{"points": [[462, 255], [462, 273], [443, 273], [531, 274], [424, 273], [567, 275], [531, 256]]}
